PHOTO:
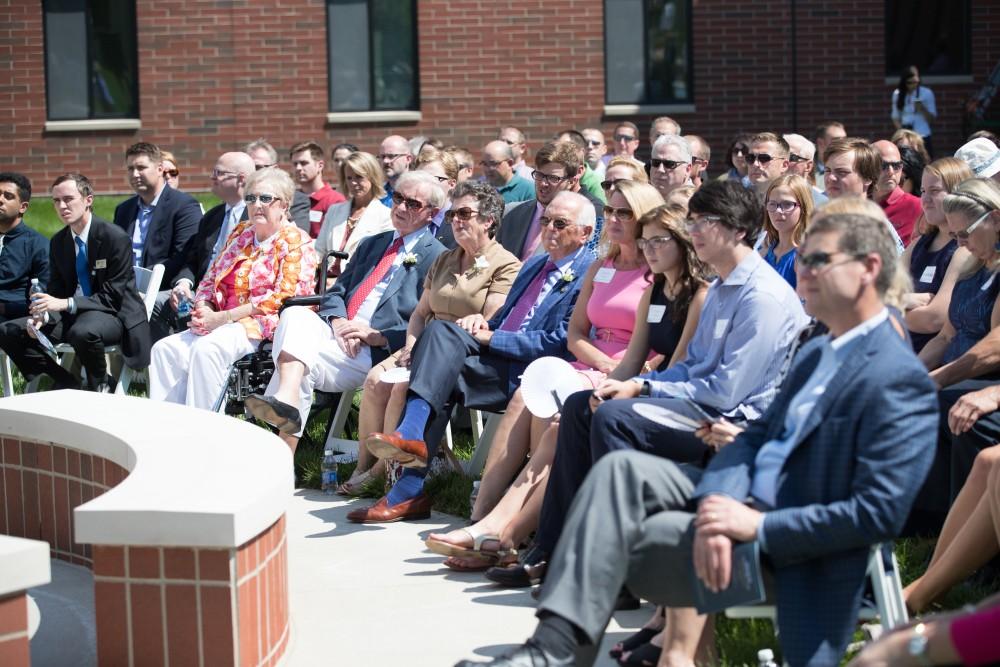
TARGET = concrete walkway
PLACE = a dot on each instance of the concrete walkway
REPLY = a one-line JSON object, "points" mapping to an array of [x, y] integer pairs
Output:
{"points": [[373, 595]]}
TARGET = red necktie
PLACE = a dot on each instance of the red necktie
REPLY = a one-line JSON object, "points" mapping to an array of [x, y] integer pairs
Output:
{"points": [[515, 318], [373, 279]]}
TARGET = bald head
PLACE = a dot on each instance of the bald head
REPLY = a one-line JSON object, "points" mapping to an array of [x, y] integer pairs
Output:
{"points": [[395, 156], [230, 176], [239, 162], [498, 163], [892, 169]]}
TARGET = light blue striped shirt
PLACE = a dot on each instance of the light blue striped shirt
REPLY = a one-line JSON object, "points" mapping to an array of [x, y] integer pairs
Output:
{"points": [[747, 326]]}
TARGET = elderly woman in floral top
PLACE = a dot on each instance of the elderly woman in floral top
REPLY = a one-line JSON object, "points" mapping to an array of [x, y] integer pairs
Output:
{"points": [[266, 260], [473, 278]]}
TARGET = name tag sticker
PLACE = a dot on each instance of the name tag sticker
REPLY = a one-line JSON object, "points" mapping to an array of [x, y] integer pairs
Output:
{"points": [[605, 274], [315, 216], [720, 328], [987, 284], [656, 312], [928, 275], [101, 264]]}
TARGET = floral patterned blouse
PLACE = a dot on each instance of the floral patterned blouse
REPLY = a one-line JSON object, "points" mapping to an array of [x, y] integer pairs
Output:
{"points": [[267, 272]]}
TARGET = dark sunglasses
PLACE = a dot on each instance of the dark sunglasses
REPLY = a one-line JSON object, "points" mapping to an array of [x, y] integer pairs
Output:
{"points": [[792, 157], [411, 204], [172, 173], [464, 214], [623, 214], [607, 185], [625, 137], [895, 166], [264, 199], [669, 165], [763, 158], [557, 223], [817, 261]]}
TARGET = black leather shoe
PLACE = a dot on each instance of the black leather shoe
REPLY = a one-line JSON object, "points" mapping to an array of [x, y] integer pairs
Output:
{"points": [[527, 655], [276, 413], [528, 572], [626, 601], [102, 386]]}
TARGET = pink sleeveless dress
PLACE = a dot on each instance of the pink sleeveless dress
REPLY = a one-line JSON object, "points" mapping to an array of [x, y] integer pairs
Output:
{"points": [[611, 311]]}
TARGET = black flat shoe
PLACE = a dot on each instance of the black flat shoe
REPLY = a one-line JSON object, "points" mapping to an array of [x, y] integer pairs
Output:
{"points": [[528, 572], [646, 655], [281, 415], [633, 642]]}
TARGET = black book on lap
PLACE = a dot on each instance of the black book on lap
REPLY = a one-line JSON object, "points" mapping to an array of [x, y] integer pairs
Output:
{"points": [[746, 585]]}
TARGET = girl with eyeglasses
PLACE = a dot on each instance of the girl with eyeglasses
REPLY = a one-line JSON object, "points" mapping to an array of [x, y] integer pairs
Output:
{"points": [[934, 259], [962, 350], [788, 209]]}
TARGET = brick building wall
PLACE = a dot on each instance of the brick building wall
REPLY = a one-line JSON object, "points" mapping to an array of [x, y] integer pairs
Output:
{"points": [[215, 74]]}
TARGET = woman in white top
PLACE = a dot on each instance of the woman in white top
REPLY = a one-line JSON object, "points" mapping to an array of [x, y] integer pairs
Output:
{"points": [[348, 223], [913, 106]]}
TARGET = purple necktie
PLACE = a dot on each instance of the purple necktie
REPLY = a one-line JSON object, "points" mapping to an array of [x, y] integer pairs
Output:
{"points": [[527, 301]]}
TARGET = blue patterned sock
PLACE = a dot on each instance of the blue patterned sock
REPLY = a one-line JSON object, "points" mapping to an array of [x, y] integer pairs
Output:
{"points": [[414, 418], [407, 487]]}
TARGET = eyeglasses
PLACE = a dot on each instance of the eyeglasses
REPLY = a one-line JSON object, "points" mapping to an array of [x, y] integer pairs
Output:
{"points": [[172, 173], [792, 157], [967, 232], [593, 143], [763, 158], [781, 206], [558, 224], [463, 214], [264, 199], [551, 179], [411, 204], [653, 243], [607, 185], [441, 179], [895, 166], [390, 156], [818, 261], [220, 175], [705, 220], [263, 166], [740, 150], [625, 137], [492, 164], [623, 214], [462, 165], [669, 165]]}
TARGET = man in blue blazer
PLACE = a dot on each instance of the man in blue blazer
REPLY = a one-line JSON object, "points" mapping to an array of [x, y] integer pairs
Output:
{"points": [[831, 468], [362, 319], [480, 362]]}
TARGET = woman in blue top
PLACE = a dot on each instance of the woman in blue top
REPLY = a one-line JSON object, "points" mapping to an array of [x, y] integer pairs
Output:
{"points": [[963, 349], [913, 106], [789, 208]]}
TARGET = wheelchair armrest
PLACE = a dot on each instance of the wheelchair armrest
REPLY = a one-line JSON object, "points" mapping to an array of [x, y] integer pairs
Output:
{"points": [[311, 300]]}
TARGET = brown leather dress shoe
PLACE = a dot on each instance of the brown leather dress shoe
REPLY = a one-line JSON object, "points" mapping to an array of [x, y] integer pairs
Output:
{"points": [[410, 453], [380, 512]]}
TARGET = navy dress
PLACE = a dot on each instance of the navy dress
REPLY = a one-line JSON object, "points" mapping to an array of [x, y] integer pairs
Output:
{"points": [[927, 268], [665, 334], [970, 311], [784, 265]]}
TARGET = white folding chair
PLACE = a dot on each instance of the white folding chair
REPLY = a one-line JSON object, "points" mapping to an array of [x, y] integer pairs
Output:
{"points": [[6, 378], [887, 586], [147, 282]]}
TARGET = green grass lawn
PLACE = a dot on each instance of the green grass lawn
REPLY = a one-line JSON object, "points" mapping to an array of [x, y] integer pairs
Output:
{"points": [[42, 216]]}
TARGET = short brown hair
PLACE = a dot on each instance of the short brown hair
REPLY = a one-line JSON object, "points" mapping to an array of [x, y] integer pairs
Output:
{"points": [[83, 184], [315, 150], [559, 152], [771, 138], [152, 151], [867, 159]]}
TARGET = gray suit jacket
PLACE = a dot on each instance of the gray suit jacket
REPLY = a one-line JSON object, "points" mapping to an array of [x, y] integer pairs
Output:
{"points": [[515, 224]]}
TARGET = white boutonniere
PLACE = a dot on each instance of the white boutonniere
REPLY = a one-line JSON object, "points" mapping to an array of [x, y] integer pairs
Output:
{"points": [[410, 258], [567, 277], [479, 265]]}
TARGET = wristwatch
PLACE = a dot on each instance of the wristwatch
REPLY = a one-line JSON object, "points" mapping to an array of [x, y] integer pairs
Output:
{"points": [[645, 390], [917, 646]]}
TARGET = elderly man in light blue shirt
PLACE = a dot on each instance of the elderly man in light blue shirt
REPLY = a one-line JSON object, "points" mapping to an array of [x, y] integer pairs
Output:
{"points": [[749, 321]]}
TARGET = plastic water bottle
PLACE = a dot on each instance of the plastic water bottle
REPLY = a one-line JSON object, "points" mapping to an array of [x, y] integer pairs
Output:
{"points": [[329, 473], [184, 306], [765, 658], [35, 288]]}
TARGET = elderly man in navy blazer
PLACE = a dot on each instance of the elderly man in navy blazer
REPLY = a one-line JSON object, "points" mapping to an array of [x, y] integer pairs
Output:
{"points": [[480, 362], [831, 468], [159, 220], [362, 319]]}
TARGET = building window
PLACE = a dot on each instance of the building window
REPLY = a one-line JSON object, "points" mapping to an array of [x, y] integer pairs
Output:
{"points": [[91, 61], [934, 35], [373, 55], [647, 52]]}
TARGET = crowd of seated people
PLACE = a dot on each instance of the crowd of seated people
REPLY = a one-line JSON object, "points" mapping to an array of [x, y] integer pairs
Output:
{"points": [[755, 363]]}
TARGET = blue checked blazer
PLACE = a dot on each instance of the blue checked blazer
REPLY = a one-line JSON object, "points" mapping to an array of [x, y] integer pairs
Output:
{"points": [[849, 483]]}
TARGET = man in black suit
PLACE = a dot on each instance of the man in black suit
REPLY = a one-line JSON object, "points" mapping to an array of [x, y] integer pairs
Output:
{"points": [[92, 300], [362, 319], [228, 180], [159, 219], [557, 167]]}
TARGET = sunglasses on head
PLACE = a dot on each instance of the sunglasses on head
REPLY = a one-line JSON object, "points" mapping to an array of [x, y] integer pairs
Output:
{"points": [[411, 204], [669, 165]]}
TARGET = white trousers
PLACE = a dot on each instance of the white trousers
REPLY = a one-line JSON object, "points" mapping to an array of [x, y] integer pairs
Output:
{"points": [[191, 369], [303, 335]]}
